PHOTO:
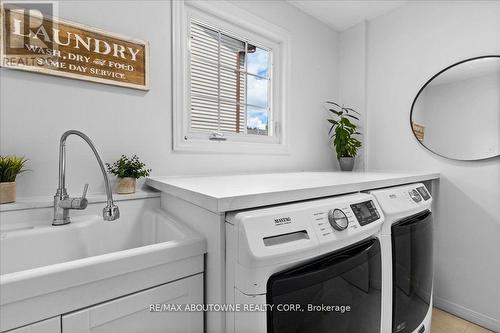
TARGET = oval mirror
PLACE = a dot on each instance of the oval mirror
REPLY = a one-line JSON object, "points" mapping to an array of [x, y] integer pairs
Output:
{"points": [[456, 114]]}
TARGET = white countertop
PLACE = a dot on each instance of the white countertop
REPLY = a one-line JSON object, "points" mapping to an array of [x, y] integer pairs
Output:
{"points": [[234, 192]]}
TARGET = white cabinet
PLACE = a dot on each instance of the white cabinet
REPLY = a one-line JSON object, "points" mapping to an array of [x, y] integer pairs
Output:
{"points": [[132, 313], [52, 325]]}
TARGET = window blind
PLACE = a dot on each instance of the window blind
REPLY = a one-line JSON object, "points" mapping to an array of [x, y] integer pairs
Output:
{"points": [[218, 80]]}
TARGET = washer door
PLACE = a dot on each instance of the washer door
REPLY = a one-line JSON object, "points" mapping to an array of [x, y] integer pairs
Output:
{"points": [[339, 292], [411, 271]]}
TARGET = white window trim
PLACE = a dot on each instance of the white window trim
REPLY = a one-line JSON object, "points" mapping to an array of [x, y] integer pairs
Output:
{"points": [[248, 26]]}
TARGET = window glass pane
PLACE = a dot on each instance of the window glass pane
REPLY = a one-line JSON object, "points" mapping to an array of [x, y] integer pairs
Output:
{"points": [[257, 120], [204, 78], [232, 53], [204, 43], [204, 114], [257, 91], [204, 55], [232, 85], [257, 61], [232, 117]]}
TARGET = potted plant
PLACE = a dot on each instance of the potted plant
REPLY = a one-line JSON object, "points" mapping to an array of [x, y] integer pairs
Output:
{"points": [[128, 170], [10, 168], [343, 133]]}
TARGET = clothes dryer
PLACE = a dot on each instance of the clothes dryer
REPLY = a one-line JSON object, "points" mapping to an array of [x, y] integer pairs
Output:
{"points": [[407, 258]]}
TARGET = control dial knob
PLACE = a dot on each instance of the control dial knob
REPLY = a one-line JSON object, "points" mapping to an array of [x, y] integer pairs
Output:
{"points": [[337, 219], [415, 195]]}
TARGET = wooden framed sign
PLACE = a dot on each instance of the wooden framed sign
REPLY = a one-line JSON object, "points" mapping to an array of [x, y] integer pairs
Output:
{"points": [[418, 130], [34, 41]]}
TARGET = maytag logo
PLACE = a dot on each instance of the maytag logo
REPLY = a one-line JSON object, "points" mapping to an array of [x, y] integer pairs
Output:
{"points": [[282, 220]]}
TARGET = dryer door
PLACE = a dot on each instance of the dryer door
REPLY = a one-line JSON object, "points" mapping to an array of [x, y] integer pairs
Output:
{"points": [[411, 271], [339, 292]]}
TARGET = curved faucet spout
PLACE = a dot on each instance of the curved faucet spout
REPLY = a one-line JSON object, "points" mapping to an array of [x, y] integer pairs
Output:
{"points": [[61, 217]]}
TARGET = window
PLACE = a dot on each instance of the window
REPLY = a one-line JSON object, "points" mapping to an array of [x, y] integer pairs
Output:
{"points": [[229, 88]]}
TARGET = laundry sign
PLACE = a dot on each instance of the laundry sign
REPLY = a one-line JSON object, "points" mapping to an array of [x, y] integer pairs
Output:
{"points": [[34, 41], [418, 130]]}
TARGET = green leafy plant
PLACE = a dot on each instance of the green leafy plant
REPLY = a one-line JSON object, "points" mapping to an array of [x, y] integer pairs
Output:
{"points": [[343, 131], [128, 167], [10, 167]]}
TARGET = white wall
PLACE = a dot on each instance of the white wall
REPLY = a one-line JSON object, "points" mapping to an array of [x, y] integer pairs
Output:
{"points": [[352, 79], [405, 48], [36, 109]]}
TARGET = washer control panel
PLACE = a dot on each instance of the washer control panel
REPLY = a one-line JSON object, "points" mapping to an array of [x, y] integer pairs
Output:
{"points": [[415, 195], [338, 219], [401, 199], [423, 192], [346, 218], [365, 212], [266, 236]]}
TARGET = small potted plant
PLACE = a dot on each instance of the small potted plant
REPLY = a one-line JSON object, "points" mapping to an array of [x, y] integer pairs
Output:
{"points": [[128, 170], [10, 168], [343, 133]]}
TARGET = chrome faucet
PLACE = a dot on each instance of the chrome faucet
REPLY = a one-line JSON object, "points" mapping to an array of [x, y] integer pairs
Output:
{"points": [[63, 203]]}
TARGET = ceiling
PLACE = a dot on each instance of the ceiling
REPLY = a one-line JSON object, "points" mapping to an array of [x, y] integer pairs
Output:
{"points": [[343, 14]]}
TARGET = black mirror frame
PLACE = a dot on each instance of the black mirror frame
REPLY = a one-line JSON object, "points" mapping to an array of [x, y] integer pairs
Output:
{"points": [[425, 85]]}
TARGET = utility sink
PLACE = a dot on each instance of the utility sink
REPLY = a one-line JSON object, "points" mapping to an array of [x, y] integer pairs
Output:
{"points": [[89, 261], [85, 237]]}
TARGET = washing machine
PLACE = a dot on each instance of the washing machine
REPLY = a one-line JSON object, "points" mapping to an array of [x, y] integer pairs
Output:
{"points": [[312, 266], [407, 258]]}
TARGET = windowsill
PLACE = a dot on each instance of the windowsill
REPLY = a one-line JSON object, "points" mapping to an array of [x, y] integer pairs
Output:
{"points": [[230, 147]]}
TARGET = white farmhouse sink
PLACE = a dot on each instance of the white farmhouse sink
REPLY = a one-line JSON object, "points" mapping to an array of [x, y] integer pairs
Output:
{"points": [[47, 270], [86, 236]]}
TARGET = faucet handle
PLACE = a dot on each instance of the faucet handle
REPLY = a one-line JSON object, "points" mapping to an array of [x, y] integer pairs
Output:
{"points": [[85, 188], [75, 203], [82, 202]]}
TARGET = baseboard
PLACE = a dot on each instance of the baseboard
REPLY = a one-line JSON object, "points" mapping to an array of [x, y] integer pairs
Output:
{"points": [[467, 314]]}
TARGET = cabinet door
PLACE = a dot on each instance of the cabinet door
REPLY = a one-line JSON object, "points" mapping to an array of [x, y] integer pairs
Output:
{"points": [[52, 325], [131, 313]]}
